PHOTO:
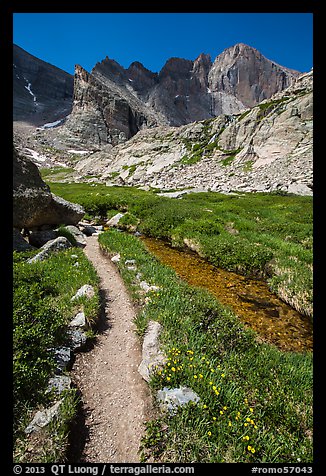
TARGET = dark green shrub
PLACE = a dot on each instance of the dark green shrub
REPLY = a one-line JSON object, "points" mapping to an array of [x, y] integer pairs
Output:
{"points": [[236, 254], [63, 231], [37, 326], [201, 226]]}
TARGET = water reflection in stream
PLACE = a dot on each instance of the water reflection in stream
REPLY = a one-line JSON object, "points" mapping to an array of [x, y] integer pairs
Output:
{"points": [[250, 299]]}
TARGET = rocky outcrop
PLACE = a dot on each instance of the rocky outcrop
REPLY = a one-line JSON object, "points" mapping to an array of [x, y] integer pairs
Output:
{"points": [[42, 92], [265, 148], [104, 110], [33, 203], [111, 104]]}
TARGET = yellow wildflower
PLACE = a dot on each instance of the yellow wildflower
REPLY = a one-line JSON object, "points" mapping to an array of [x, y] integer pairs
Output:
{"points": [[195, 376], [173, 369], [201, 376], [251, 409], [221, 412], [209, 433]]}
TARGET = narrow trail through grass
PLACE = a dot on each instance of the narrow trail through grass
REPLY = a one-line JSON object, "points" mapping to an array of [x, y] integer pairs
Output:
{"points": [[116, 400]]}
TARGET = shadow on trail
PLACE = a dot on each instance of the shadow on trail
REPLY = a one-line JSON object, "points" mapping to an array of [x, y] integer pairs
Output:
{"points": [[78, 436], [103, 322]]}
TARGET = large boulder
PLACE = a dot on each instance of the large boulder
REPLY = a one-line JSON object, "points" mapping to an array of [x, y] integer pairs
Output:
{"points": [[152, 356], [31, 195], [33, 203]]}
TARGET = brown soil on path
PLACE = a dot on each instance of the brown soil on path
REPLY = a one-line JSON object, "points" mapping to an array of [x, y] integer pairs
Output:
{"points": [[116, 401]]}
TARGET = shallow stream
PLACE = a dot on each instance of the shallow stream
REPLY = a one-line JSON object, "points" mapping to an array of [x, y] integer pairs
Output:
{"points": [[251, 300]]}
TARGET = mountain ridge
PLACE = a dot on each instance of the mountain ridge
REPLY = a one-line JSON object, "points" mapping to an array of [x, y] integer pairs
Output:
{"points": [[244, 124], [183, 91], [41, 90]]}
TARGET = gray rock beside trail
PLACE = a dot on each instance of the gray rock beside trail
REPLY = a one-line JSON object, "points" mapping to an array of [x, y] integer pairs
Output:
{"points": [[152, 356], [172, 398], [78, 235], [43, 418], [77, 339], [59, 244], [87, 230], [59, 383], [62, 357], [86, 290], [78, 321]]}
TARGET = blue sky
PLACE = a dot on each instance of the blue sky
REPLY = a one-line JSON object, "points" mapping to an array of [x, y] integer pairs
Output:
{"points": [[66, 39]]}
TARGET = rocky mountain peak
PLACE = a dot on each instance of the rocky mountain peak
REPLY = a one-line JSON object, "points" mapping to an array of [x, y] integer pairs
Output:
{"points": [[242, 72], [111, 69], [203, 60], [80, 73], [176, 68], [140, 78]]}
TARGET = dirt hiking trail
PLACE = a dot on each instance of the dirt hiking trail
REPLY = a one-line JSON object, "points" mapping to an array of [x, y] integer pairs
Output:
{"points": [[116, 400]]}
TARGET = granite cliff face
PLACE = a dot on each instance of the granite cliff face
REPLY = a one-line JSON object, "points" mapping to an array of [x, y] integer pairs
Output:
{"points": [[241, 77], [104, 110], [265, 148], [42, 92], [111, 104]]}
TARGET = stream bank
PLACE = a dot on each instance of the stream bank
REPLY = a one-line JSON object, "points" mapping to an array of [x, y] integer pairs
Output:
{"points": [[251, 300]]}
